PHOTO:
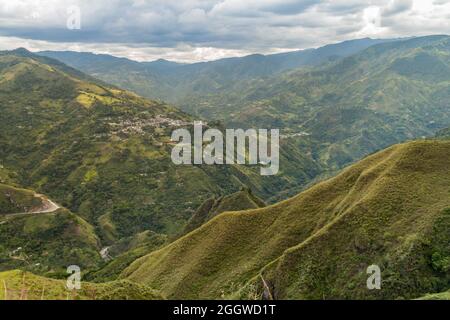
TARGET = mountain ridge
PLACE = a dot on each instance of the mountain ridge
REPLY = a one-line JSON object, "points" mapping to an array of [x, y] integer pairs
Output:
{"points": [[224, 257], [177, 82]]}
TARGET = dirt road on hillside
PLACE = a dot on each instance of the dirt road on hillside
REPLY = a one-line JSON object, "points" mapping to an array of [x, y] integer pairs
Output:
{"points": [[48, 206]]}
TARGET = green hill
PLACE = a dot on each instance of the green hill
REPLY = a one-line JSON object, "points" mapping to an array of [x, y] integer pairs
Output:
{"points": [[14, 200], [127, 250], [124, 252], [37, 235], [390, 209], [242, 200], [19, 285], [47, 243], [437, 296]]}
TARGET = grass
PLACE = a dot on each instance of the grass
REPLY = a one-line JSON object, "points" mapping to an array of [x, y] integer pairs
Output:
{"points": [[125, 252], [20, 285], [437, 296], [383, 210], [48, 243], [242, 200], [15, 200]]}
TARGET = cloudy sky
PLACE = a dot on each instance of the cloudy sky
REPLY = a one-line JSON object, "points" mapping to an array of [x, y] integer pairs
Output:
{"points": [[197, 30]]}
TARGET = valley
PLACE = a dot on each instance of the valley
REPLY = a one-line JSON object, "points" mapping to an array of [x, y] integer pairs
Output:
{"points": [[87, 178]]}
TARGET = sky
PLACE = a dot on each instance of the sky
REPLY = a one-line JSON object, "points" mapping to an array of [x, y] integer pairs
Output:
{"points": [[200, 30]]}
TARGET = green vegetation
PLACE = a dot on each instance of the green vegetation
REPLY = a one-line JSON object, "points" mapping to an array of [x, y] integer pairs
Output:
{"points": [[104, 154], [242, 200], [390, 209], [333, 112], [20, 285], [14, 200], [47, 243], [42, 239], [437, 296], [386, 94], [107, 157], [125, 252]]}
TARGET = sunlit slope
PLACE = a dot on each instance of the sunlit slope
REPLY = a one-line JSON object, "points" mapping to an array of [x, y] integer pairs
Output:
{"points": [[437, 296], [19, 285], [388, 209]]}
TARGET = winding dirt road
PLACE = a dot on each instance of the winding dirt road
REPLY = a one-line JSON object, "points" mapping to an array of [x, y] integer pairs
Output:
{"points": [[48, 206]]}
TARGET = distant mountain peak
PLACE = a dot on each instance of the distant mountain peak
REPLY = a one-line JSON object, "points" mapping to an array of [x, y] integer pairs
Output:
{"points": [[163, 63], [21, 51]]}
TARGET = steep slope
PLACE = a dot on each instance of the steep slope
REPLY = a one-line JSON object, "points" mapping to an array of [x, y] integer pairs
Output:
{"points": [[390, 209], [14, 200], [178, 83], [42, 238], [242, 200], [19, 285], [437, 296], [126, 251], [85, 144]]}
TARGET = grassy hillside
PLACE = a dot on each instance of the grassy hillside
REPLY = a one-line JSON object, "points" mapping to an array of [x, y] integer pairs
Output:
{"points": [[242, 200], [36, 235], [19, 285], [437, 296], [47, 243], [124, 252], [127, 250], [390, 209], [14, 200]]}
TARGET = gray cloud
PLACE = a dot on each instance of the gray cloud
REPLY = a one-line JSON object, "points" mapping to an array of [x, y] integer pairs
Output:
{"points": [[397, 6], [191, 30]]}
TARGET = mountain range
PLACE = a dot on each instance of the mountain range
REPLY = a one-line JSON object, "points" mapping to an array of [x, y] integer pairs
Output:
{"points": [[104, 153], [177, 82], [86, 176]]}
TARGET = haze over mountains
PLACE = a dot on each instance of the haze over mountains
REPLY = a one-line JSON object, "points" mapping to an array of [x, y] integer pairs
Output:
{"points": [[103, 154], [175, 82]]}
